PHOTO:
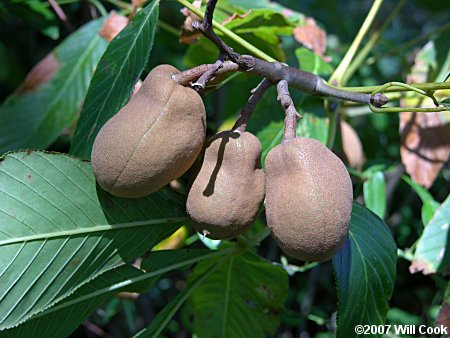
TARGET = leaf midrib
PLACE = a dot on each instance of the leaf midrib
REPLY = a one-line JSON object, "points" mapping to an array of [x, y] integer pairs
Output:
{"points": [[365, 275], [96, 228], [227, 298], [131, 281]]}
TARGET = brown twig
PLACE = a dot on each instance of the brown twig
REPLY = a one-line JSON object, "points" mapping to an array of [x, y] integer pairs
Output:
{"points": [[246, 112], [209, 74], [187, 77], [275, 71], [290, 121], [206, 27]]}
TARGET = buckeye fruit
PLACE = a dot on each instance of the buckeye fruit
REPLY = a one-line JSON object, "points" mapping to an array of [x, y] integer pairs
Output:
{"points": [[308, 199], [152, 140], [227, 192]]}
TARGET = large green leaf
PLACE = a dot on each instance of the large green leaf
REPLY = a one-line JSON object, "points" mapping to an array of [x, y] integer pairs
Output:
{"points": [[57, 231], [73, 310], [260, 21], [313, 63], [118, 71], [313, 126], [160, 322], [34, 119], [270, 136], [261, 28], [242, 298], [67, 315], [375, 193], [429, 206], [246, 5], [365, 271], [433, 248]]}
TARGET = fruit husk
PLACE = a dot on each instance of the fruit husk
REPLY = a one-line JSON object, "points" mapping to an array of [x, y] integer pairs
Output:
{"points": [[308, 199], [152, 140], [226, 195]]}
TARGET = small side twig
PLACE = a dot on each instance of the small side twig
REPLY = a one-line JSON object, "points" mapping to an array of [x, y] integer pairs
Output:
{"points": [[375, 109], [193, 74], [246, 112], [209, 74], [290, 122]]}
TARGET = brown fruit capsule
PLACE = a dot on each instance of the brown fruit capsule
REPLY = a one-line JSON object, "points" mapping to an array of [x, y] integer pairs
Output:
{"points": [[151, 141], [308, 199], [225, 197]]}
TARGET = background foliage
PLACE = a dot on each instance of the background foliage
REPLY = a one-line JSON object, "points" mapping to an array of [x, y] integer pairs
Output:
{"points": [[72, 254]]}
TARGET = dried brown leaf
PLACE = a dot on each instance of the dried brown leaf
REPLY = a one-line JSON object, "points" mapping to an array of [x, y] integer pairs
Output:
{"points": [[425, 137], [425, 145], [41, 73], [188, 34], [113, 26], [235, 16], [312, 36], [352, 146]]}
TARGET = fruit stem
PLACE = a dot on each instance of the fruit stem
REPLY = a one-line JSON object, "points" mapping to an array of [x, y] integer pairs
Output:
{"points": [[193, 74], [290, 121], [247, 110]]}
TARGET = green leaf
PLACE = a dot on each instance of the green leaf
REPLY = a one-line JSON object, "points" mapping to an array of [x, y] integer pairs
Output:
{"points": [[260, 21], [159, 323], [203, 51], [433, 248], [73, 310], [428, 210], [174, 259], [58, 231], [429, 206], [311, 62], [365, 271], [242, 298], [262, 28], [245, 5], [267, 111], [119, 69], [310, 126], [38, 7], [375, 193], [270, 136], [34, 119], [313, 126]]}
